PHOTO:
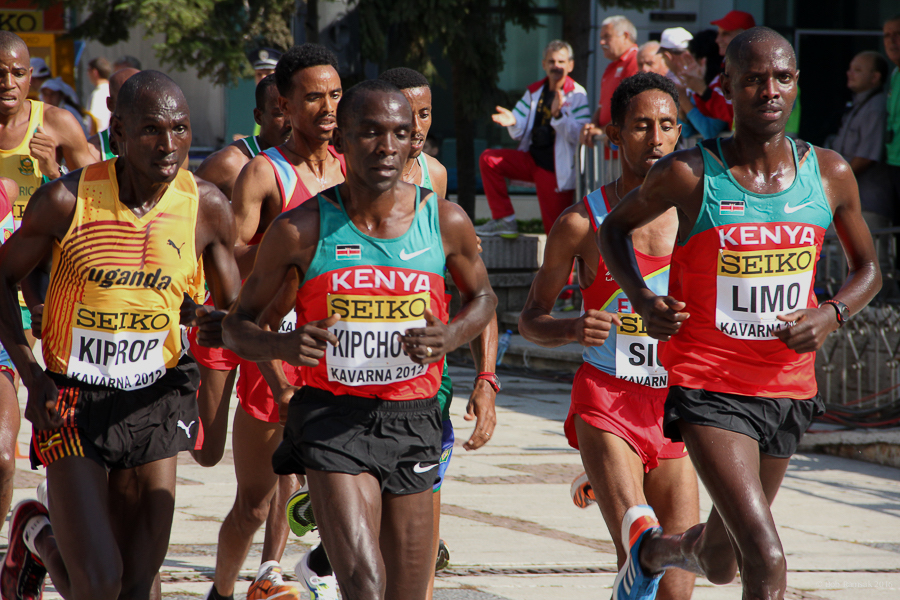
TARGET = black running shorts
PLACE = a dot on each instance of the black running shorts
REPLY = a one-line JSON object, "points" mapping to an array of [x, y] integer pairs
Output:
{"points": [[776, 423], [119, 429], [398, 442]]}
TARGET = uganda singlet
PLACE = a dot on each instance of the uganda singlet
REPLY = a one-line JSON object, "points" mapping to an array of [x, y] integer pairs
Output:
{"points": [[380, 288], [628, 353], [118, 281], [749, 258], [18, 164]]}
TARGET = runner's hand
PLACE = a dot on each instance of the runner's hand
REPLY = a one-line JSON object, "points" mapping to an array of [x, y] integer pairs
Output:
{"points": [[209, 326], [481, 410], [810, 328], [43, 148], [188, 311], [283, 398], [417, 342], [37, 320], [663, 317], [593, 327], [308, 343], [41, 406], [504, 117]]}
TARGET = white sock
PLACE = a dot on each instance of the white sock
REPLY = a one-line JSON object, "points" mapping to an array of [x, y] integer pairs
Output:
{"points": [[32, 528], [265, 567]]}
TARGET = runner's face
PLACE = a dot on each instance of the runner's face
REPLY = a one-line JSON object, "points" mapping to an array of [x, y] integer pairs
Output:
{"points": [[420, 102], [15, 77], [376, 144], [650, 130], [763, 87], [274, 128], [154, 136], [311, 107]]}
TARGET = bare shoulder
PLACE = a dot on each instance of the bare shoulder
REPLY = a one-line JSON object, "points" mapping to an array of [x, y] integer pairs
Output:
{"points": [[832, 165], [435, 167], [675, 175], [227, 160], [574, 221], [61, 121], [452, 216], [212, 200]]}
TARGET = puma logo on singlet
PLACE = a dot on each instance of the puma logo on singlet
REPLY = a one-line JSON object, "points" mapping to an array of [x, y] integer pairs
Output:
{"points": [[187, 428], [177, 248]]}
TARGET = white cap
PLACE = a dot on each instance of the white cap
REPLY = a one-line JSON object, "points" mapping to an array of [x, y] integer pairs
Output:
{"points": [[58, 85], [675, 39], [40, 68]]}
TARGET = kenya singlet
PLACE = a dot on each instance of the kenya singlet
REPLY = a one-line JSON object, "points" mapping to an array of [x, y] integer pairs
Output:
{"points": [[381, 288], [118, 281], [18, 164], [628, 353], [749, 258]]}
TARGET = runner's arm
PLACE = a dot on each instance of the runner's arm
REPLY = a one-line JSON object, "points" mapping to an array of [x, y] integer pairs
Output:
{"points": [[254, 186], [438, 176], [675, 180], [222, 169], [812, 326], [470, 276], [69, 136], [481, 400], [536, 324], [289, 243]]}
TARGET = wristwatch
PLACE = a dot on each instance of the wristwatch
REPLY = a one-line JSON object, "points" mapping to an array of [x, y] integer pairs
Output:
{"points": [[843, 312], [491, 378]]}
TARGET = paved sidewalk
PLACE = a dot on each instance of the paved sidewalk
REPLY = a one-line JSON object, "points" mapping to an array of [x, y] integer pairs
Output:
{"points": [[514, 534]]}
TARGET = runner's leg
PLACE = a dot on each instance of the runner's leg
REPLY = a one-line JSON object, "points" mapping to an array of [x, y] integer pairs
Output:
{"points": [[348, 512], [612, 466], [406, 538], [80, 549], [142, 504], [671, 489], [253, 442], [436, 539], [276, 522], [213, 401], [9, 432]]}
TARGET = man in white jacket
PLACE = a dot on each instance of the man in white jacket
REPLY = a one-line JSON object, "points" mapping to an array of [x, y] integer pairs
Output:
{"points": [[546, 122]]}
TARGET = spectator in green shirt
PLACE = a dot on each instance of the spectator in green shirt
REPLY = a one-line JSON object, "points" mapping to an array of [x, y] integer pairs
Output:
{"points": [[892, 132]]}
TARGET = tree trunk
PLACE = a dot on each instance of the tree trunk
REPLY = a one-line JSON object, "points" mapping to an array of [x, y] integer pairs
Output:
{"points": [[465, 145], [577, 31]]}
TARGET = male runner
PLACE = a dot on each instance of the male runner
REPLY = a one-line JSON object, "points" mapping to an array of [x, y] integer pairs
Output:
{"points": [[218, 366], [9, 401], [615, 418], [280, 178], [366, 428], [101, 143], [117, 402], [31, 132], [427, 172], [741, 316]]}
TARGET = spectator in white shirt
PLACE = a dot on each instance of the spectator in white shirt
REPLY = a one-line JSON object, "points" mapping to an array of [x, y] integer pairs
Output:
{"points": [[99, 71]]}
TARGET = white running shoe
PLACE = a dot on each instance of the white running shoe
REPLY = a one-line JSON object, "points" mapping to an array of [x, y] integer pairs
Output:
{"points": [[320, 587]]}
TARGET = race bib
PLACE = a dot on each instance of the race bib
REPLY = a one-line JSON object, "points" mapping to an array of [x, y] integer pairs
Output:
{"points": [[637, 359], [753, 288], [289, 322], [369, 350], [125, 350]]}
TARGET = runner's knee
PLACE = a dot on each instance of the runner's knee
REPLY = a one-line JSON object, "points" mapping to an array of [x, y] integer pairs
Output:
{"points": [[101, 581]]}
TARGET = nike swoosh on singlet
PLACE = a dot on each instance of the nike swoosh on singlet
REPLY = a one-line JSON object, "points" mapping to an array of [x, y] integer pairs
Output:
{"points": [[418, 468], [792, 209], [409, 256]]}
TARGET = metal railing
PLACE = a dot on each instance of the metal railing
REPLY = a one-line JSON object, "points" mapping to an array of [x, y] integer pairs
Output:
{"points": [[596, 166]]}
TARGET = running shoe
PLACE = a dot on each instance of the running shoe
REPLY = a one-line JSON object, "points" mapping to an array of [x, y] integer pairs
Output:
{"points": [[443, 557], [299, 512], [502, 227], [632, 583], [269, 585], [582, 492], [23, 573], [321, 587]]}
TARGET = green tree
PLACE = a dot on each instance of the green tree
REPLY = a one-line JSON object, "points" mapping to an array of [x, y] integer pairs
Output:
{"points": [[210, 35], [471, 34]]}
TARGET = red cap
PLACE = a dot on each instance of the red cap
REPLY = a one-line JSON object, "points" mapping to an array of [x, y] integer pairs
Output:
{"points": [[736, 19]]}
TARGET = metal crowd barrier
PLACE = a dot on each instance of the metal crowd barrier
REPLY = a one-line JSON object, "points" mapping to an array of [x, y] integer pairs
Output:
{"points": [[596, 166]]}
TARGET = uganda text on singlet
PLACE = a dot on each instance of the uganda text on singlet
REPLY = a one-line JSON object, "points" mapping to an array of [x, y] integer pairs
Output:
{"points": [[380, 288], [628, 353], [118, 282], [749, 258]]}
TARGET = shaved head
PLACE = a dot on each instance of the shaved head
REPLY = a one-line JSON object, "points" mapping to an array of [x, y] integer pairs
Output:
{"points": [[118, 79], [10, 42], [752, 43], [145, 87]]}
